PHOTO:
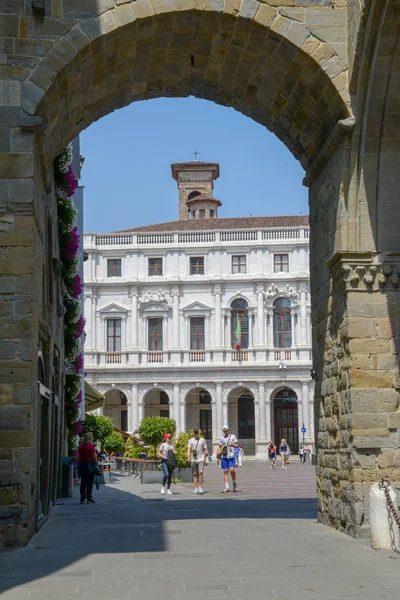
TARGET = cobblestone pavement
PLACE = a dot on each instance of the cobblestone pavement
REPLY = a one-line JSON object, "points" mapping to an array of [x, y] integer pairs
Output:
{"points": [[262, 543]]}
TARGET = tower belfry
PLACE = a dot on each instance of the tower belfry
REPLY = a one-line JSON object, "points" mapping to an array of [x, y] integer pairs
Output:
{"points": [[195, 184]]}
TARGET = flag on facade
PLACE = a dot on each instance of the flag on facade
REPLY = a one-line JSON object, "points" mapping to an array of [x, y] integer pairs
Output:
{"points": [[238, 335]]}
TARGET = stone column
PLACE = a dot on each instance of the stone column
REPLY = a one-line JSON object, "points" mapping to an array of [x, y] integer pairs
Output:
{"points": [[134, 309], [268, 420], [176, 408], [261, 400], [306, 408], [215, 432], [129, 414], [225, 413], [228, 330], [270, 329], [260, 316], [93, 324], [140, 411], [134, 423], [218, 400], [218, 317], [303, 336], [257, 421], [182, 425], [175, 318], [300, 414], [293, 325]]}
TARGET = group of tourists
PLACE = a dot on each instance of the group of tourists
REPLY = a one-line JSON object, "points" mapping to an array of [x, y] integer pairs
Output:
{"points": [[229, 456]]}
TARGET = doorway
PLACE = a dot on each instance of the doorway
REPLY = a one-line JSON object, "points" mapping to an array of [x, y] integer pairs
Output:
{"points": [[286, 419]]}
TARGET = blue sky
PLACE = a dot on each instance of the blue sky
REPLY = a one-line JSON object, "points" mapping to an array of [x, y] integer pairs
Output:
{"points": [[127, 174]]}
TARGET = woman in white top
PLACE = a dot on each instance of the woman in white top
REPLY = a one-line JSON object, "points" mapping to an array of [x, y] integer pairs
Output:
{"points": [[166, 447]]}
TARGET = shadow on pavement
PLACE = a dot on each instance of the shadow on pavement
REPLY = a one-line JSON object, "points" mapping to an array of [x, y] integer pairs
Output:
{"points": [[122, 522]]}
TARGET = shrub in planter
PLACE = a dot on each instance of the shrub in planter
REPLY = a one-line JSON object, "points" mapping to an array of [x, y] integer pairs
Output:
{"points": [[100, 426], [113, 442], [152, 430]]}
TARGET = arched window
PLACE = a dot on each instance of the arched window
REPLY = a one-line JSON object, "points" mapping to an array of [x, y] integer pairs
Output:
{"points": [[282, 323], [239, 311], [193, 195]]}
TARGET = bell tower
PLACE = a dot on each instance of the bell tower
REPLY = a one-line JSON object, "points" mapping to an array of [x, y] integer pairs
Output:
{"points": [[195, 184]]}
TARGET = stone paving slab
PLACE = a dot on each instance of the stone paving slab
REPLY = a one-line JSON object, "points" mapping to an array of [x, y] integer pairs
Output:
{"points": [[261, 543]]}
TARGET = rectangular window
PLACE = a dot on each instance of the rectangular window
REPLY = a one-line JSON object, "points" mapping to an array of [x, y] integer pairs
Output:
{"points": [[281, 263], [114, 267], [155, 266], [282, 330], [113, 335], [238, 264], [202, 213], [211, 213], [155, 335], [197, 333], [164, 413], [197, 265]]}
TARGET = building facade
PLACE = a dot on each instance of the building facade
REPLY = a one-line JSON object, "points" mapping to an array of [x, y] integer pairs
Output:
{"points": [[205, 320]]}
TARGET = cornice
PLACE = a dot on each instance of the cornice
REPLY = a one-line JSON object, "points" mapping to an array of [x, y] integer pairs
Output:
{"points": [[366, 271]]}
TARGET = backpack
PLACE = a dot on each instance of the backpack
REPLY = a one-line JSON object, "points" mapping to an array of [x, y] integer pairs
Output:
{"points": [[171, 460]]}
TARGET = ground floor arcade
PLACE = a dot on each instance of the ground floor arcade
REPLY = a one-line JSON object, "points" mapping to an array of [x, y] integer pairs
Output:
{"points": [[256, 411]]}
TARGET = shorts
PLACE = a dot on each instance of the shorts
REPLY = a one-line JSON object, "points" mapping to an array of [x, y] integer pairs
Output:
{"points": [[197, 467], [228, 463]]}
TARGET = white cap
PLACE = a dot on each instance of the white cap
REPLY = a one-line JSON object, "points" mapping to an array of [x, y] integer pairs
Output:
{"points": [[225, 427]]}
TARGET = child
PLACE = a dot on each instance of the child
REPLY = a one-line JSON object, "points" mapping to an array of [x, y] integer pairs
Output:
{"points": [[240, 456]]}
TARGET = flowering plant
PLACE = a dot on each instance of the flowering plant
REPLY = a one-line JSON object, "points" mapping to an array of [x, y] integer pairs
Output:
{"points": [[74, 322]]}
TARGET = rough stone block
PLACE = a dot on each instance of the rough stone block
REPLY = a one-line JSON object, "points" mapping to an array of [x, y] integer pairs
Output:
{"points": [[8, 26], [373, 346], [7, 349], [23, 393], [394, 420], [15, 417], [5, 139], [387, 400], [84, 9], [21, 308], [374, 442], [372, 379], [265, 15], [5, 393], [7, 284], [369, 420], [17, 439], [16, 165]]}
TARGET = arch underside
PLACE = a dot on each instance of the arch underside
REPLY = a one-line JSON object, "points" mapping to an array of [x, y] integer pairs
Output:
{"points": [[232, 61]]}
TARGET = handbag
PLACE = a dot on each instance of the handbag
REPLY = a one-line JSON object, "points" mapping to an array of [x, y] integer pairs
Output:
{"points": [[99, 480], [94, 469]]}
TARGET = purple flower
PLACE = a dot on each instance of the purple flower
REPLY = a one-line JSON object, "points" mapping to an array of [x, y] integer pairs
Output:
{"points": [[70, 182], [70, 244], [78, 427], [76, 286], [79, 364]]}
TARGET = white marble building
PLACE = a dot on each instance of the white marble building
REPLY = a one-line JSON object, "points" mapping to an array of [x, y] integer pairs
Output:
{"points": [[162, 304]]}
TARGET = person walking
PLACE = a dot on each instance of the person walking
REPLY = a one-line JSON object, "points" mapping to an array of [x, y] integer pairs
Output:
{"points": [[285, 452], [87, 459], [307, 454], [240, 456], [197, 454], [271, 454], [167, 454], [228, 460]]}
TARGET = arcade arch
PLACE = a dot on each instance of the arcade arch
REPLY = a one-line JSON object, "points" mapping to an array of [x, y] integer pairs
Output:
{"points": [[156, 403], [285, 418], [116, 407], [199, 412], [242, 418]]}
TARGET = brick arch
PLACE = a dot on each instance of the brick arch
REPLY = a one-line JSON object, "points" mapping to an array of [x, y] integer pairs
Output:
{"points": [[267, 66]]}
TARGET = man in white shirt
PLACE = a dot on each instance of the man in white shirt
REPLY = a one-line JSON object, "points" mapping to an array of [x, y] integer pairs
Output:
{"points": [[197, 453], [228, 459]]}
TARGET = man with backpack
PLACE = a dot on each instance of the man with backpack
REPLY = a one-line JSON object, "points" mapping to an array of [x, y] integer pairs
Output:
{"points": [[197, 454], [168, 462], [226, 453]]}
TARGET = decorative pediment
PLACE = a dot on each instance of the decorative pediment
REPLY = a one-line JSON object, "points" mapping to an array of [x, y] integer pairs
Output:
{"points": [[113, 308], [273, 293], [154, 298], [154, 307], [196, 307]]}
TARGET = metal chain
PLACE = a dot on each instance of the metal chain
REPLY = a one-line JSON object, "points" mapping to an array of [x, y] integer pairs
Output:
{"points": [[384, 485]]}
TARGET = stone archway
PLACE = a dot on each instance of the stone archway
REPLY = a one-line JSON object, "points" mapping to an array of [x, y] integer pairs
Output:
{"points": [[63, 70], [116, 407], [198, 412], [242, 417], [156, 403]]}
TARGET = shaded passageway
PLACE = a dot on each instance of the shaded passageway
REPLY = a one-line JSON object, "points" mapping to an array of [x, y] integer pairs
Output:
{"points": [[263, 542]]}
